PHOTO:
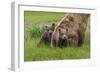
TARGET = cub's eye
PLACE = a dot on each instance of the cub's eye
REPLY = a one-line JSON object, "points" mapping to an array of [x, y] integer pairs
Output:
{"points": [[50, 33]]}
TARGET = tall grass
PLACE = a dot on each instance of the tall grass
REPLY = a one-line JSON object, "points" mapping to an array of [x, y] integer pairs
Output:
{"points": [[34, 27]]}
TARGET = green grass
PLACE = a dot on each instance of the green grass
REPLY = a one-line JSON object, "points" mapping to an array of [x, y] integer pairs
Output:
{"points": [[34, 27]]}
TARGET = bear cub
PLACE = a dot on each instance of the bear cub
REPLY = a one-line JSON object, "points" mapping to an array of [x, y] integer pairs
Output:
{"points": [[46, 36], [59, 37]]}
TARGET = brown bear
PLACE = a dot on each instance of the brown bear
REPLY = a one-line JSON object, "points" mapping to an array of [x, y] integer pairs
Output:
{"points": [[72, 38], [59, 37], [76, 22], [46, 36], [62, 37]]}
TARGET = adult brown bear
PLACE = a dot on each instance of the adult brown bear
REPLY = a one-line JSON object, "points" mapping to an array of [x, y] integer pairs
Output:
{"points": [[72, 38], [77, 22]]}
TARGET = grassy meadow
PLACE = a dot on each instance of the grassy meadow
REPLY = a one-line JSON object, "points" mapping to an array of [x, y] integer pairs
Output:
{"points": [[34, 23]]}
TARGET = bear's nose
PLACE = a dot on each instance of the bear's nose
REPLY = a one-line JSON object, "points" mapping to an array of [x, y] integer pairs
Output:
{"points": [[65, 37]]}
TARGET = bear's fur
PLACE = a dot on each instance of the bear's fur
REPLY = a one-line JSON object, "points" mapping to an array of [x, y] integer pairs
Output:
{"points": [[62, 37], [46, 36], [59, 37], [77, 22], [72, 38]]}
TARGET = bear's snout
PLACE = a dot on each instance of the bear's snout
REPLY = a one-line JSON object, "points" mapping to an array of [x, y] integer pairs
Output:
{"points": [[64, 37]]}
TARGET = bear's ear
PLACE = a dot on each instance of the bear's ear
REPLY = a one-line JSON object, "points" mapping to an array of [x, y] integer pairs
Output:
{"points": [[46, 27], [53, 25], [59, 29], [67, 29]]}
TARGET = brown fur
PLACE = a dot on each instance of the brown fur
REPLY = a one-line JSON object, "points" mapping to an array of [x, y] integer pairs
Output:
{"points": [[72, 38], [75, 22], [46, 36], [59, 37]]}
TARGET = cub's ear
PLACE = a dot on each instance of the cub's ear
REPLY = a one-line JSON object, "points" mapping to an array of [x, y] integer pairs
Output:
{"points": [[66, 29], [46, 27], [53, 25], [59, 29]]}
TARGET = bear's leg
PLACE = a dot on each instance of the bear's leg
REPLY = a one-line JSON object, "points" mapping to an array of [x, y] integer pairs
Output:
{"points": [[80, 39]]}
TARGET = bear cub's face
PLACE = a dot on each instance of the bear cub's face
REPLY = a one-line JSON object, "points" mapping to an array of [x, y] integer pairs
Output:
{"points": [[63, 37], [63, 34], [49, 30], [46, 37]]}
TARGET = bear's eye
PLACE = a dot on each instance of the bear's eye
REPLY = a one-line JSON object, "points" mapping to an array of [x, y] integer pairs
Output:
{"points": [[50, 35]]}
